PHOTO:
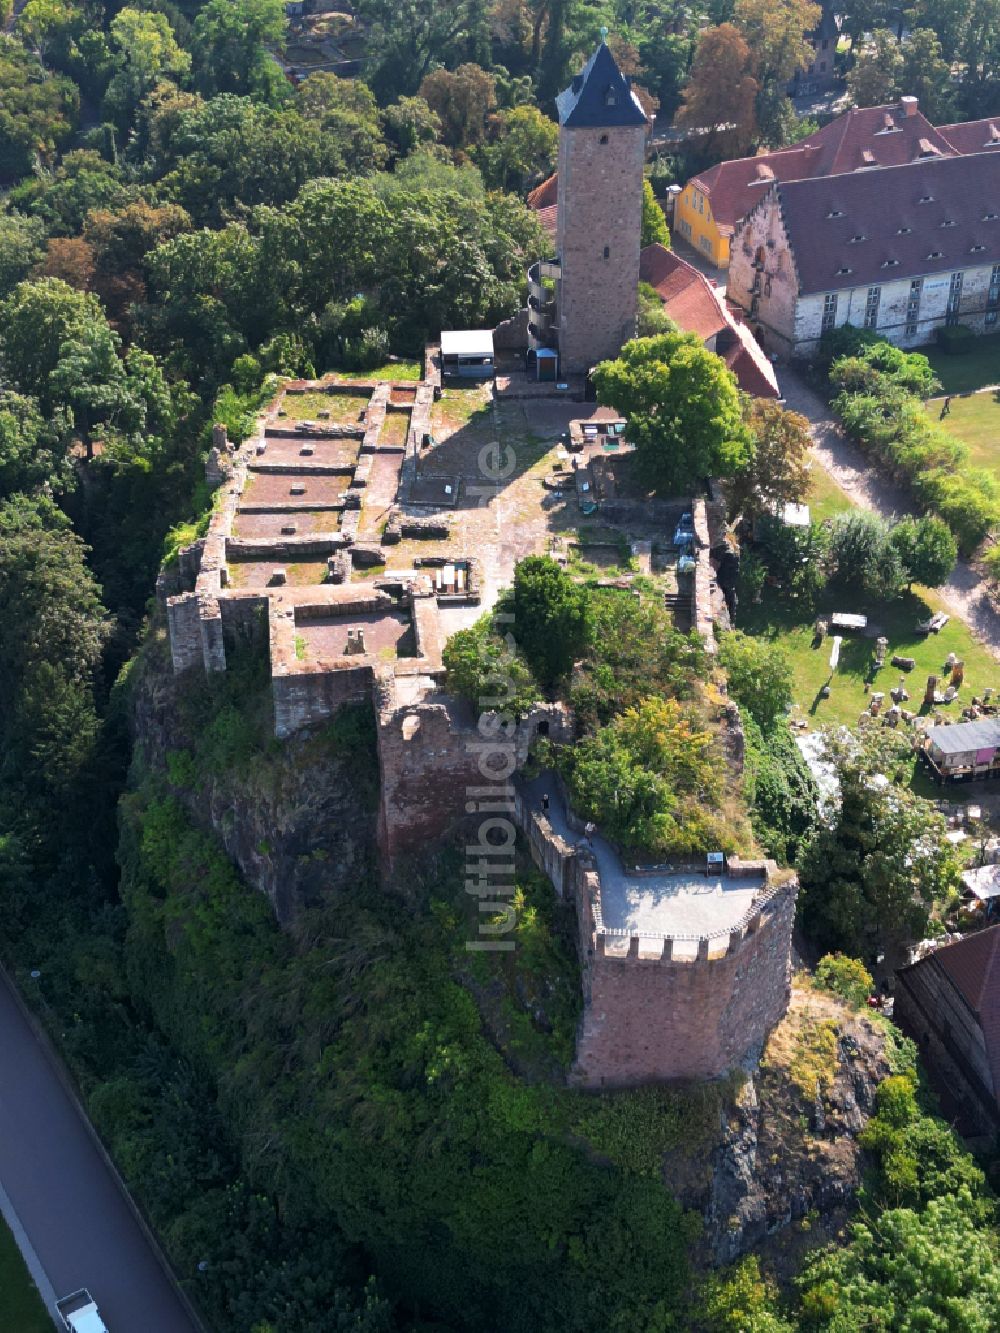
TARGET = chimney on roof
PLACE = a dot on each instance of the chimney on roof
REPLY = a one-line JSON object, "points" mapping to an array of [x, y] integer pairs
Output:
{"points": [[909, 105]]}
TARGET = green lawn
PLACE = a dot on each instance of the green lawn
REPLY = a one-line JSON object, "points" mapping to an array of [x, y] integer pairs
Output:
{"points": [[825, 497], [392, 370], [976, 421], [21, 1307], [970, 370], [783, 623]]}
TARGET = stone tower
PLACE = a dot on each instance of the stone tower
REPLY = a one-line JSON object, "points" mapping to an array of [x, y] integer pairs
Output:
{"points": [[602, 149]]}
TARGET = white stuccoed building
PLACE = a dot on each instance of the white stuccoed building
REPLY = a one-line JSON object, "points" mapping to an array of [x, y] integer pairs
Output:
{"points": [[902, 250]]}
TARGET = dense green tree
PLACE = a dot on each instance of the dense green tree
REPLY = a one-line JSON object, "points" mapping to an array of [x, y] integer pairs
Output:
{"points": [[345, 110], [926, 548], [229, 43], [777, 471], [654, 224], [652, 318], [910, 1270], [759, 675], [84, 180], [55, 629], [409, 124], [926, 75], [486, 668], [32, 450], [635, 650], [21, 241], [879, 863], [862, 555], [51, 27], [551, 622], [406, 41], [233, 151], [740, 1300], [775, 33], [144, 52], [877, 72], [36, 320], [37, 114], [683, 410], [523, 151], [653, 780]]}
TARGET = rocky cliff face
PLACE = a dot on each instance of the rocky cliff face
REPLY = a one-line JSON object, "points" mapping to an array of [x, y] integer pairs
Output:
{"points": [[298, 816], [787, 1163]]}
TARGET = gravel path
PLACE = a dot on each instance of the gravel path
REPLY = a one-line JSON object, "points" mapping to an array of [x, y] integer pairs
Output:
{"points": [[965, 594]]}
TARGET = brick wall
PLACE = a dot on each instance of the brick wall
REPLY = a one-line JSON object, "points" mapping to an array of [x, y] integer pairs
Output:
{"points": [[650, 1019], [599, 207]]}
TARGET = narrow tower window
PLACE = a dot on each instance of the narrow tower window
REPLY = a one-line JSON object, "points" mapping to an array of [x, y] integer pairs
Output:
{"points": [[607, 252]]}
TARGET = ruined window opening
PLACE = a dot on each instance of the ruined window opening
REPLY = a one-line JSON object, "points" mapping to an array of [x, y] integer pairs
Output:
{"points": [[543, 728]]}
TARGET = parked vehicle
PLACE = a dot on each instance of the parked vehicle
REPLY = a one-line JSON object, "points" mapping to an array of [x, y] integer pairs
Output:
{"points": [[80, 1314]]}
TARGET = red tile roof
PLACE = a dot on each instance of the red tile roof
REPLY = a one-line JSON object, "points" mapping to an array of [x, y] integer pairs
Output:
{"points": [[919, 220], [544, 195], [695, 307], [734, 187], [973, 136], [973, 967], [688, 297], [750, 364], [860, 139], [547, 217]]}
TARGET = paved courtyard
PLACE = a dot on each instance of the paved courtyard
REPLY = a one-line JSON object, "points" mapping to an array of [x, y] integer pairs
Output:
{"points": [[656, 906]]}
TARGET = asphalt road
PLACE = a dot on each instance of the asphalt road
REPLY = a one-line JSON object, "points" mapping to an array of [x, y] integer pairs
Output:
{"points": [[66, 1204]]}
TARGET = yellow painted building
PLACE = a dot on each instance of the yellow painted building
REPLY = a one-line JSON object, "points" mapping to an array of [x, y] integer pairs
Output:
{"points": [[695, 222]]}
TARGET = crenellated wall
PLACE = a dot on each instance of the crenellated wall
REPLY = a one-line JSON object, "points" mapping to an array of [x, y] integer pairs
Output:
{"points": [[669, 1008]]}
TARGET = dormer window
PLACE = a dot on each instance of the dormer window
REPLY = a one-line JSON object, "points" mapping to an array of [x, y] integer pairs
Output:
{"points": [[890, 263], [843, 272], [989, 217], [948, 222], [934, 254], [976, 249], [835, 213], [904, 231], [610, 96], [856, 239], [927, 199]]}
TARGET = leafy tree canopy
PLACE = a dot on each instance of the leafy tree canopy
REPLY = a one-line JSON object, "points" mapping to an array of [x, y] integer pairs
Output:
{"points": [[683, 410]]}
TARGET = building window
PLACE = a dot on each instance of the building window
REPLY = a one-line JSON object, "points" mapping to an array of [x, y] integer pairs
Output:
{"points": [[993, 297], [603, 138], [822, 66], [991, 318], [911, 330], [607, 252], [871, 306], [954, 298], [829, 311]]}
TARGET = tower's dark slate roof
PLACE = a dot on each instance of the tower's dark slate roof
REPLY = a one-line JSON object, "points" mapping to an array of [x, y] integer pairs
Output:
{"points": [[599, 97]]}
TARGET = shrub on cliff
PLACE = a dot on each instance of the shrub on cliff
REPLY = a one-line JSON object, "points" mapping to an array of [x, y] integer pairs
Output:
{"points": [[485, 667], [653, 780], [759, 675], [846, 977]]}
